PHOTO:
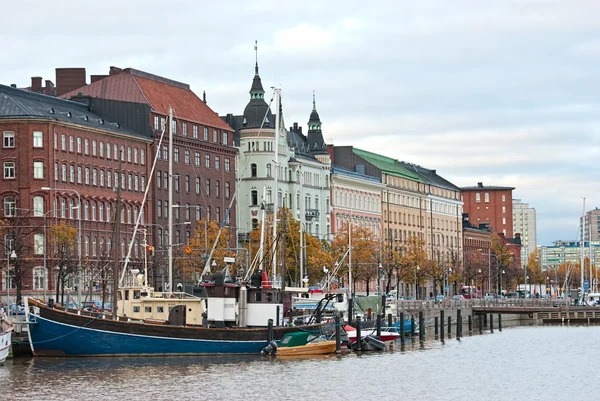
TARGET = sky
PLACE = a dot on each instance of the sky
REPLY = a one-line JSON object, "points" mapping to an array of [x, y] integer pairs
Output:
{"points": [[501, 92]]}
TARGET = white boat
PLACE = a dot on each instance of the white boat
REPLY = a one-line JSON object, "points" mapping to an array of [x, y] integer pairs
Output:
{"points": [[5, 337]]}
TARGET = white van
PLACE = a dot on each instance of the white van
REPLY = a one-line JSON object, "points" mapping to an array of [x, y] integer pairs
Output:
{"points": [[593, 299]]}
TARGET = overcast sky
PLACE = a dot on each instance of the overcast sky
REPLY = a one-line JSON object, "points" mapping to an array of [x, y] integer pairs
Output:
{"points": [[500, 92]]}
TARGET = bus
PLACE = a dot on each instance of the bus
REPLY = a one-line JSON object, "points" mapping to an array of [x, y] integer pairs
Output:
{"points": [[470, 291]]}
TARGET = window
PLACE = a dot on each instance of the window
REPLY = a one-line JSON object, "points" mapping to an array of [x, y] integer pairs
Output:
{"points": [[186, 157], [503, 209], [87, 245], [184, 129], [176, 155], [38, 206], [64, 172], [129, 182], [227, 166], [136, 183], [38, 139], [10, 206], [94, 211], [86, 210], [108, 151], [122, 153], [218, 214], [55, 141], [156, 123], [116, 152], [128, 154], [225, 138], [71, 173], [9, 139], [159, 208], [197, 159], [207, 160], [197, 185], [79, 174], [215, 136], [78, 145], [217, 163], [174, 126], [94, 176], [268, 170], [166, 212], [195, 132], [135, 155], [101, 178], [143, 183], [93, 148], [477, 198], [101, 211], [163, 123], [205, 134], [87, 176], [176, 184], [187, 184], [227, 191], [9, 169], [165, 152], [38, 244], [142, 157], [254, 197], [38, 278], [86, 146], [177, 212], [487, 198], [503, 198], [504, 220], [187, 212], [101, 149], [218, 188], [166, 181], [207, 187], [38, 169], [207, 212], [158, 179], [253, 170], [63, 142]]}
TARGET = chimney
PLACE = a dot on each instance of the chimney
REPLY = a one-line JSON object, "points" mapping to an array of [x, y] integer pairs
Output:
{"points": [[36, 84], [204, 96], [49, 88], [69, 79], [114, 70], [94, 78], [13, 85], [480, 184]]}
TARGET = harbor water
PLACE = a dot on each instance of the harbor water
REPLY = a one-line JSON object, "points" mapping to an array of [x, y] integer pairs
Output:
{"points": [[521, 363]]}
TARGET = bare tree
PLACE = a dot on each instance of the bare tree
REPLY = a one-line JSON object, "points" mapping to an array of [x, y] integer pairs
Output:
{"points": [[63, 242]]}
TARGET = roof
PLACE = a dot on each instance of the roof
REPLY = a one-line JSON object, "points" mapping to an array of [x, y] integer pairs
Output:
{"points": [[480, 187], [18, 103], [430, 176], [159, 93], [386, 164], [336, 169]]}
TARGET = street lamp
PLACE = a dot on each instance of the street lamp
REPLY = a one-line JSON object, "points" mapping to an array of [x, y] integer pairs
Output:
{"points": [[13, 257], [480, 279], [416, 281], [79, 272], [526, 286], [502, 279]]}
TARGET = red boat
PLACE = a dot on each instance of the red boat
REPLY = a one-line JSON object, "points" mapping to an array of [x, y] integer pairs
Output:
{"points": [[387, 336]]}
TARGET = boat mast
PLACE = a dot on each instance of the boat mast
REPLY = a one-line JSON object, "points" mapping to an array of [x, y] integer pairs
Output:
{"points": [[301, 220], [350, 258], [115, 248], [582, 253], [262, 233], [276, 177], [170, 181]]}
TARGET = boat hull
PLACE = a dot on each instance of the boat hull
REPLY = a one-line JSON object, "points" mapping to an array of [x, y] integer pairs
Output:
{"points": [[320, 348], [5, 340], [53, 332]]}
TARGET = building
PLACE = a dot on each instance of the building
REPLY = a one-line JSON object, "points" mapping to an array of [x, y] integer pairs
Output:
{"points": [[303, 175], [561, 252], [59, 144], [491, 205], [591, 226], [204, 154], [524, 222]]}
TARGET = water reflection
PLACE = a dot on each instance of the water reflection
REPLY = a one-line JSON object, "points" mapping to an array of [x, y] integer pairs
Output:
{"points": [[546, 361]]}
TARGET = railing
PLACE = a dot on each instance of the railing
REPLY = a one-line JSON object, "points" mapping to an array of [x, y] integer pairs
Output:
{"points": [[311, 213]]}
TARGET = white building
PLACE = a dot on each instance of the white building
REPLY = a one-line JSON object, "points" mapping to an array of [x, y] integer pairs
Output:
{"points": [[524, 222], [591, 227]]}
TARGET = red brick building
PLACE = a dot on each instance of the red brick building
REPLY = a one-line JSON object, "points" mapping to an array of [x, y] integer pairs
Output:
{"points": [[204, 155], [49, 142], [491, 205]]}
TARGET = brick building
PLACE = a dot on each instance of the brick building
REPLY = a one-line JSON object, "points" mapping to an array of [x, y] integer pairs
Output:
{"points": [[491, 205], [49, 142], [204, 155]]}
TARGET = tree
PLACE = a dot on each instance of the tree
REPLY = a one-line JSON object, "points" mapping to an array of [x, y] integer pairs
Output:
{"points": [[534, 268], [63, 242], [206, 233]]}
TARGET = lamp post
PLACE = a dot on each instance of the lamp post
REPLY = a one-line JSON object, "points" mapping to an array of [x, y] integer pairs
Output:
{"points": [[416, 281], [480, 279], [501, 280], [526, 287], [79, 270], [13, 257]]}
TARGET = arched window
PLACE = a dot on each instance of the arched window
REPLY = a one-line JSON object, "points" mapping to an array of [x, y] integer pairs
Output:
{"points": [[254, 197], [70, 208], [477, 197], [487, 197], [38, 206], [94, 211], [268, 170], [253, 169], [86, 210]]}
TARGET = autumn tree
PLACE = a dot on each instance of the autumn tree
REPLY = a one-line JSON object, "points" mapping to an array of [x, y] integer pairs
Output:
{"points": [[63, 243], [205, 234]]}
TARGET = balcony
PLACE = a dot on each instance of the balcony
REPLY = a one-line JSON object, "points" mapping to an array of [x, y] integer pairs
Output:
{"points": [[311, 214]]}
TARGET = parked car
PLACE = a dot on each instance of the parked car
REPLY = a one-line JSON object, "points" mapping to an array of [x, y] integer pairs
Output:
{"points": [[16, 309], [92, 306], [107, 307], [439, 298], [458, 298]]}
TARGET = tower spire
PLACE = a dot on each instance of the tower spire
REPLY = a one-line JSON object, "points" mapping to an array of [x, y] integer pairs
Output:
{"points": [[314, 103], [256, 56]]}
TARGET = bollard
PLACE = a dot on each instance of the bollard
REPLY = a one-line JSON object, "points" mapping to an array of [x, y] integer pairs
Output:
{"points": [[491, 323], [378, 325], [480, 324], [421, 327], [390, 323], [458, 323], [338, 342], [470, 323], [436, 323], [485, 322], [358, 334], [449, 326], [412, 327], [277, 317], [350, 312], [402, 333], [500, 321], [270, 330], [442, 325]]}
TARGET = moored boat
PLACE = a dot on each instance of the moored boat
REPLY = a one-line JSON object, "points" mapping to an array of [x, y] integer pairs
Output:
{"points": [[299, 344], [5, 336]]}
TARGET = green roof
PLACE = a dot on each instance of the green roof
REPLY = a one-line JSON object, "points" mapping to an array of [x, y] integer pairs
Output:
{"points": [[386, 164]]}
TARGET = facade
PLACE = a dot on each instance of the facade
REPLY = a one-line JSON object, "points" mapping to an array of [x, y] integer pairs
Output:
{"points": [[303, 176], [59, 144], [204, 156], [524, 222], [491, 205], [569, 252], [591, 225]]}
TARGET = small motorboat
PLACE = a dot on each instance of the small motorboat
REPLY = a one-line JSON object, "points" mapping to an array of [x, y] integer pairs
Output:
{"points": [[300, 343], [387, 334], [5, 336]]}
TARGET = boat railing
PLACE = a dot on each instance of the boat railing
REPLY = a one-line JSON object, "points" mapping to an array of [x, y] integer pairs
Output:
{"points": [[172, 295], [271, 284]]}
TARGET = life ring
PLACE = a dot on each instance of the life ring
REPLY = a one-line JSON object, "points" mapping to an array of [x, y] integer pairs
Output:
{"points": [[531, 315]]}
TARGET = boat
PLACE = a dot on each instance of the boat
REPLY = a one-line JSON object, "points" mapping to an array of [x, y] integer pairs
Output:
{"points": [[5, 336], [407, 326], [369, 335], [299, 344]]}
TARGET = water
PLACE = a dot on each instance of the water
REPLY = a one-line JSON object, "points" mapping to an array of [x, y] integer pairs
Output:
{"points": [[524, 363]]}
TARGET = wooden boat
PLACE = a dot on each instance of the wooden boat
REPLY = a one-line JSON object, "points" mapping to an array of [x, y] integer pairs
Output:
{"points": [[5, 337], [302, 343]]}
